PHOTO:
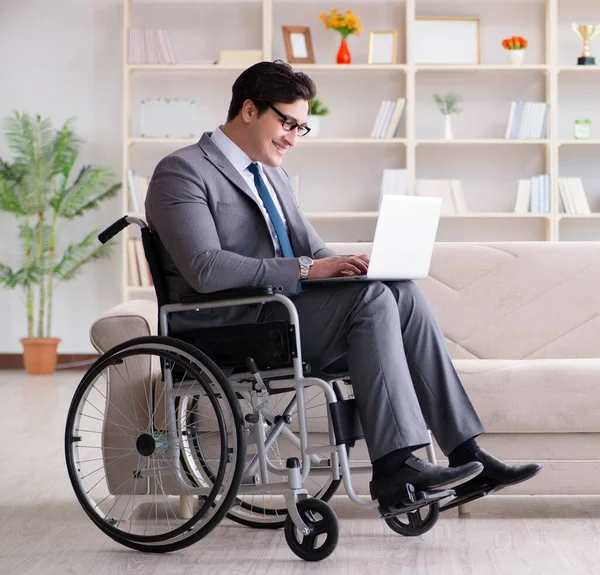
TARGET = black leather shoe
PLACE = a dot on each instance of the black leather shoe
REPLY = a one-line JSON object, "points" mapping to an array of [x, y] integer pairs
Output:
{"points": [[496, 474], [423, 476]]}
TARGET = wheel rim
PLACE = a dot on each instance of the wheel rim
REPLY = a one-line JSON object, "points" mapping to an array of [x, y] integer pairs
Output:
{"points": [[121, 456]]}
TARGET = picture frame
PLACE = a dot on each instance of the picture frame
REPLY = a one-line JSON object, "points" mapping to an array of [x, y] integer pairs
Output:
{"points": [[298, 44], [447, 40], [383, 47]]}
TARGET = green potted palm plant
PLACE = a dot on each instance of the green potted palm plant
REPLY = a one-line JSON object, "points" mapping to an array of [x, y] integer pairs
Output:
{"points": [[39, 188]]}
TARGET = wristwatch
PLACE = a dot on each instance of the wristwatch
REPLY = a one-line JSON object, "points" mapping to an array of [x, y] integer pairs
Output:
{"points": [[305, 264]]}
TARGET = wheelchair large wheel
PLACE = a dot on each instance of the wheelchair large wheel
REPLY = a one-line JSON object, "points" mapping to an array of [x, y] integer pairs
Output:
{"points": [[267, 510], [123, 445]]}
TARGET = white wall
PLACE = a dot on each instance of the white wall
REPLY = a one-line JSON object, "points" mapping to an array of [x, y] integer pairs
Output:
{"points": [[61, 59]]}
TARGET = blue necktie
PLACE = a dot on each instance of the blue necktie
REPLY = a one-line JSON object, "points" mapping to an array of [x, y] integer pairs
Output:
{"points": [[272, 212]]}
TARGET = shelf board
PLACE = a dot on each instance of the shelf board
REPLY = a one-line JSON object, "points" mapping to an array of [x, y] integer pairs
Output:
{"points": [[476, 141], [574, 142], [579, 216], [300, 142], [350, 67], [481, 68], [182, 68], [348, 141], [164, 141], [582, 69], [225, 68]]}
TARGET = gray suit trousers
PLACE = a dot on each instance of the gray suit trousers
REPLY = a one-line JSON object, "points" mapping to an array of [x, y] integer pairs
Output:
{"points": [[403, 378]]}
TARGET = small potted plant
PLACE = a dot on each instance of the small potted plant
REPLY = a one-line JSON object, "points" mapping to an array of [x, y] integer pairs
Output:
{"points": [[516, 46], [448, 105], [41, 189], [315, 111], [346, 26]]}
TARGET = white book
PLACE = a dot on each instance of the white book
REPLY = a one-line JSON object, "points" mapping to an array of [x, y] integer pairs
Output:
{"points": [[378, 119], [437, 189], [522, 135], [578, 193], [511, 119], [389, 110], [523, 196], [395, 119], [535, 196], [172, 59], [562, 190], [458, 196], [567, 196]]}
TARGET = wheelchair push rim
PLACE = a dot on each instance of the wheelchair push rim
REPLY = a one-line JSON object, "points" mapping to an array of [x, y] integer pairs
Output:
{"points": [[123, 457]]}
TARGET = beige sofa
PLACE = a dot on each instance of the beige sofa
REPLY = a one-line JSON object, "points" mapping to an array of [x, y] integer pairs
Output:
{"points": [[522, 322]]}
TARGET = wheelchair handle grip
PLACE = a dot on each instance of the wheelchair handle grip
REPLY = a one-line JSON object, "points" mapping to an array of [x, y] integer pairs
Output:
{"points": [[112, 230]]}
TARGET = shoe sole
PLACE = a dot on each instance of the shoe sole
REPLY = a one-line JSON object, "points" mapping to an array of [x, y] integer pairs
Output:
{"points": [[483, 491], [456, 482]]}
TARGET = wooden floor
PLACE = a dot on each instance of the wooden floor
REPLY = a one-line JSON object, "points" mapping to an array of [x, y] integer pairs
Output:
{"points": [[43, 530]]}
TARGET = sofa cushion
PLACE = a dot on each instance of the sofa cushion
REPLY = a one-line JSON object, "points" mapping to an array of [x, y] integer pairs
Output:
{"points": [[533, 396]]}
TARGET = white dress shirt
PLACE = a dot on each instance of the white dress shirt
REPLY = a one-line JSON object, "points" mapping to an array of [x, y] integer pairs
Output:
{"points": [[240, 161]]}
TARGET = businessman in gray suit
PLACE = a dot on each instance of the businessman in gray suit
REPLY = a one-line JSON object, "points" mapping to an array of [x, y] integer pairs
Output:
{"points": [[225, 214]]}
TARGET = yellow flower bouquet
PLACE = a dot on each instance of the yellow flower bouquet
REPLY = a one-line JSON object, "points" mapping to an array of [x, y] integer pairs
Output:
{"points": [[345, 25]]}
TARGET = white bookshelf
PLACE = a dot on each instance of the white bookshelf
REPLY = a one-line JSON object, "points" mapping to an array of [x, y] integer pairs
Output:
{"points": [[340, 171]]}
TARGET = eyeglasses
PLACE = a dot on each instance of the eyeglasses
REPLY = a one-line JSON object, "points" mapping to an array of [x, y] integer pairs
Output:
{"points": [[289, 125]]}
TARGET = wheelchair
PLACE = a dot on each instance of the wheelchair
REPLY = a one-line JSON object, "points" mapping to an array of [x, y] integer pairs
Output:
{"points": [[166, 435]]}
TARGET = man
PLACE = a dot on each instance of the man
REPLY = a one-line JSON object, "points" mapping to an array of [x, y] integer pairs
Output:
{"points": [[225, 213]]}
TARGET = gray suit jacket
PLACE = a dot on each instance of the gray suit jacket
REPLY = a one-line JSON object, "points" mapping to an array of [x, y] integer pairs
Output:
{"points": [[214, 235]]}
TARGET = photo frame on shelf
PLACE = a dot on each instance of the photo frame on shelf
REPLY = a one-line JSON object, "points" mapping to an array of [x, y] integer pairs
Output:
{"points": [[383, 47], [298, 44], [447, 40]]}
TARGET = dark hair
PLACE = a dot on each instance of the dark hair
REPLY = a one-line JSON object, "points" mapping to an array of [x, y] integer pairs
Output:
{"points": [[270, 83]]}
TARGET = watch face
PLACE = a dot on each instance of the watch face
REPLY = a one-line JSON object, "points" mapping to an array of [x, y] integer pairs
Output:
{"points": [[305, 261]]}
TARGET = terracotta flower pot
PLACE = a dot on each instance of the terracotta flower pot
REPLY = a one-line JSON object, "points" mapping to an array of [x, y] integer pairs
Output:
{"points": [[39, 355]]}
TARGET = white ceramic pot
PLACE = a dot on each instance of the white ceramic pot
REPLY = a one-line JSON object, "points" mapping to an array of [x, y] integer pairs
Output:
{"points": [[448, 127], [516, 57], [314, 123]]}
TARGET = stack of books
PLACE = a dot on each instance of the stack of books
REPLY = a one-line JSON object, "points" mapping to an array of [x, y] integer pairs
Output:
{"points": [[387, 122], [527, 121], [138, 189], [533, 195], [150, 46], [572, 194]]}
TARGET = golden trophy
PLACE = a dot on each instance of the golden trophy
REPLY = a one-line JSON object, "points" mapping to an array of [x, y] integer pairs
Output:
{"points": [[586, 33]]}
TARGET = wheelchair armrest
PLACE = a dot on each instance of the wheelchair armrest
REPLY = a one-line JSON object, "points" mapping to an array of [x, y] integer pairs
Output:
{"points": [[240, 293]]}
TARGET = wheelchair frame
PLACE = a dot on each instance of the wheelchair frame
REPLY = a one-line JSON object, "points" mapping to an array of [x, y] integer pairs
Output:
{"points": [[296, 471]]}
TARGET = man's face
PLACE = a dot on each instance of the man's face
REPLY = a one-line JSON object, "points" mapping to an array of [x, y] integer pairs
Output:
{"points": [[270, 139]]}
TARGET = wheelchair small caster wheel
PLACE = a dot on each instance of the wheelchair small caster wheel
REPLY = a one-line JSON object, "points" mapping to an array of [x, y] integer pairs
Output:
{"points": [[416, 522], [324, 531]]}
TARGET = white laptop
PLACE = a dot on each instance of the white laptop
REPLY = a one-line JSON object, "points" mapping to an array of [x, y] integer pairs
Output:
{"points": [[403, 242]]}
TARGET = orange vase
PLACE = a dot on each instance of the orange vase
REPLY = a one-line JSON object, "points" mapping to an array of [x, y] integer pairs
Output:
{"points": [[343, 55]]}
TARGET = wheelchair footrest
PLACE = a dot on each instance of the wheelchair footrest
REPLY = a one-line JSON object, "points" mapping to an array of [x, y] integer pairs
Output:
{"points": [[472, 495], [415, 500]]}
